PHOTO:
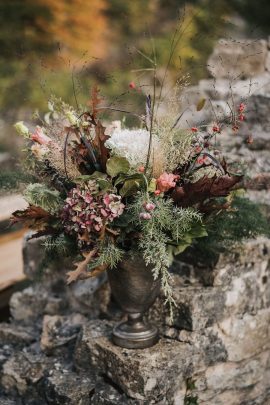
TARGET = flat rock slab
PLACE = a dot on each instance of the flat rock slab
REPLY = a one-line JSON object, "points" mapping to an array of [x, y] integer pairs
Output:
{"points": [[147, 374], [68, 389]]}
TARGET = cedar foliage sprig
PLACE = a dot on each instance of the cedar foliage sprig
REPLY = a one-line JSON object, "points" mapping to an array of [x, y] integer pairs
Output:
{"points": [[167, 225], [226, 229]]}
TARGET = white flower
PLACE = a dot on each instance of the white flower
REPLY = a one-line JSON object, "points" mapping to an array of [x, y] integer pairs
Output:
{"points": [[39, 151], [132, 144], [72, 118]]}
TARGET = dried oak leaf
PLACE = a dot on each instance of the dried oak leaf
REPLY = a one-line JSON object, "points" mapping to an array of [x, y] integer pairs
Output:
{"points": [[193, 193], [95, 272], [32, 216], [99, 144], [81, 268]]}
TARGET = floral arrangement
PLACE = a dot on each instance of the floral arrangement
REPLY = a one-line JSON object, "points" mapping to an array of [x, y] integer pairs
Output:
{"points": [[156, 189]]}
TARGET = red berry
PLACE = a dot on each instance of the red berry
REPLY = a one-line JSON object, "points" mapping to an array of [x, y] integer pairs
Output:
{"points": [[242, 107], [132, 85], [198, 149], [194, 129], [200, 160], [157, 192], [141, 169], [241, 117], [216, 128], [250, 139]]}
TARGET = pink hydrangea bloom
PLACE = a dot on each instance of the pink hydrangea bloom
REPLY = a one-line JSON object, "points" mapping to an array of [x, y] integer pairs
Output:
{"points": [[166, 181], [86, 211], [40, 137]]}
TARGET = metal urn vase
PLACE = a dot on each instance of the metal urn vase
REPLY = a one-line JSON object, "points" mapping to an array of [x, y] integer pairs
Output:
{"points": [[135, 290]]}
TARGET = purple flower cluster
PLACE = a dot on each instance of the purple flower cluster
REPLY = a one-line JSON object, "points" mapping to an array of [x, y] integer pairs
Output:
{"points": [[85, 211]]}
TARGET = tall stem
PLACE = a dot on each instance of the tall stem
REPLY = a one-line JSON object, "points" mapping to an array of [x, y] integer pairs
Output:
{"points": [[151, 121]]}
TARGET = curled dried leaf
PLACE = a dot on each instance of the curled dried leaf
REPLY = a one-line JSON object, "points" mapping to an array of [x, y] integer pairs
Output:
{"points": [[193, 193], [32, 216]]}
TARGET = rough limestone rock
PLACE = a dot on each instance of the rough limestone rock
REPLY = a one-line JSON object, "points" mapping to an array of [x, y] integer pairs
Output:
{"points": [[242, 58], [106, 394], [58, 331], [68, 388], [22, 372], [16, 335], [142, 374], [28, 305]]}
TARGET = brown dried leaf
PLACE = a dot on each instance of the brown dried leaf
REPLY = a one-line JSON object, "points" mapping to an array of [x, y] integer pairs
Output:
{"points": [[193, 193], [32, 216], [95, 272], [99, 144], [73, 275], [95, 101]]}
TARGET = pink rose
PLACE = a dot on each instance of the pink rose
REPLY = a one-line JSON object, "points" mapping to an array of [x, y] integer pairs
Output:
{"points": [[40, 137], [166, 181]]}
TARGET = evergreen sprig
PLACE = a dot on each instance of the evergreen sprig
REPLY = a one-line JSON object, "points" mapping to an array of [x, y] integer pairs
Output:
{"points": [[109, 255], [166, 225], [41, 196], [226, 229]]}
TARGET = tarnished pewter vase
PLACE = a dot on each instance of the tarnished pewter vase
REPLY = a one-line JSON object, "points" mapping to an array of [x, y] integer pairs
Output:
{"points": [[135, 290]]}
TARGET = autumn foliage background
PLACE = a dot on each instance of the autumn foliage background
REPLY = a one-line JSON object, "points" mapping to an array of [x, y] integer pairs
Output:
{"points": [[44, 43]]}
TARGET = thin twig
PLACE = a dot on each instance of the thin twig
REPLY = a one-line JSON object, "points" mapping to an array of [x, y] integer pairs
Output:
{"points": [[73, 87], [65, 154]]}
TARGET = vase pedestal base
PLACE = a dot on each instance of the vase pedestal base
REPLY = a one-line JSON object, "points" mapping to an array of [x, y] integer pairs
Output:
{"points": [[135, 333]]}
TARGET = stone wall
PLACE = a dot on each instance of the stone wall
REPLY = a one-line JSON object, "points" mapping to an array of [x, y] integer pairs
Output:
{"points": [[56, 349]]}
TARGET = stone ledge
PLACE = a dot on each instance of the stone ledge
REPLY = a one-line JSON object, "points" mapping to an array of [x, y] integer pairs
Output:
{"points": [[147, 374]]}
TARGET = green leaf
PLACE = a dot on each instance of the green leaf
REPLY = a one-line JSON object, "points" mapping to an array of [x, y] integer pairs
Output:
{"points": [[176, 250], [116, 165], [94, 176], [121, 179], [197, 231], [104, 185], [130, 187], [132, 183]]}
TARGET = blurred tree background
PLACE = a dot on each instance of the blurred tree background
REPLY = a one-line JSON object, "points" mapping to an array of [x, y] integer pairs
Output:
{"points": [[44, 43]]}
